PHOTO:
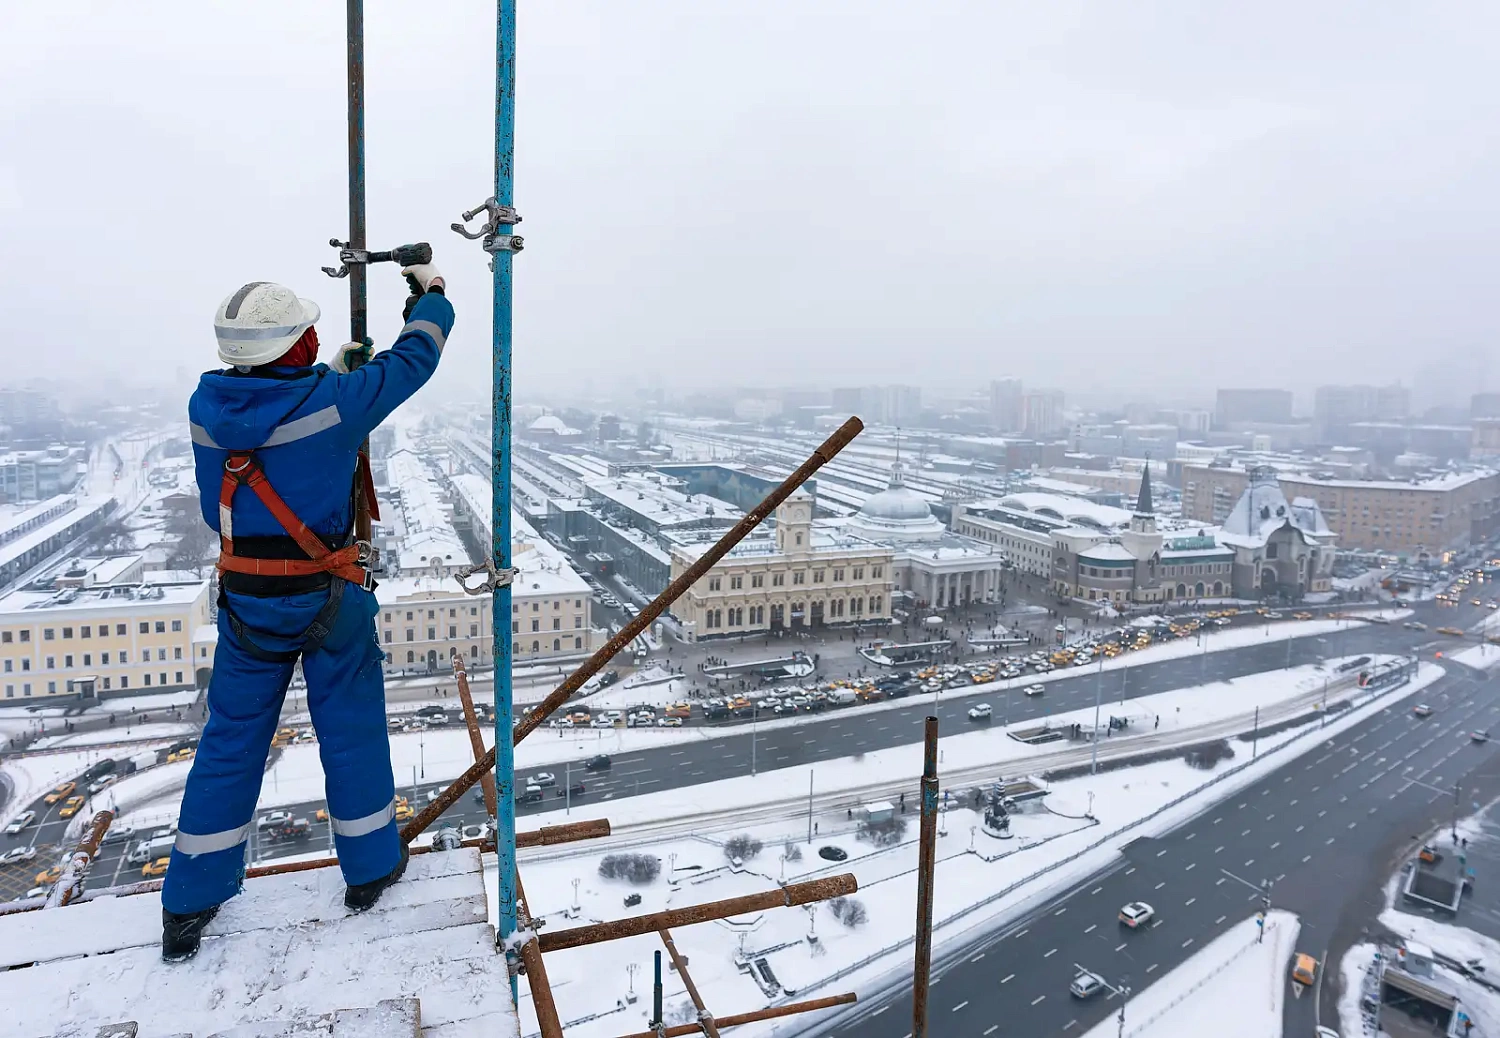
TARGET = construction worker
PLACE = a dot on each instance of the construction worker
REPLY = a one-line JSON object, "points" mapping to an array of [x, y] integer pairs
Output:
{"points": [[276, 445]]}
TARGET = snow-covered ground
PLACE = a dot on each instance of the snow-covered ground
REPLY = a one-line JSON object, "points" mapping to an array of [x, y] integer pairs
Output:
{"points": [[1482, 656], [30, 777], [1234, 969], [119, 733], [981, 881]]}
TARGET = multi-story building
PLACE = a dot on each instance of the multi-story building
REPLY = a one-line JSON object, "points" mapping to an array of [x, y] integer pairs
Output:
{"points": [[28, 536], [38, 475], [806, 576], [1042, 412], [1007, 409], [889, 405], [1234, 406], [425, 541], [423, 619], [1335, 406], [1414, 517], [105, 640], [1024, 536]]}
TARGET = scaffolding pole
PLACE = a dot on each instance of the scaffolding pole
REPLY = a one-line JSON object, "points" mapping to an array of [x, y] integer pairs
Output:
{"points": [[505, 759], [926, 865]]}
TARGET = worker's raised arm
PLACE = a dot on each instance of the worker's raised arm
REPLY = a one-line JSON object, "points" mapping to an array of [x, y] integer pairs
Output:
{"points": [[368, 394]]}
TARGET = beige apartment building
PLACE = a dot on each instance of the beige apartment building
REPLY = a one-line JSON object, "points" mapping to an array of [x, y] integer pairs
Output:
{"points": [[422, 620], [1401, 517], [105, 640], [807, 576]]}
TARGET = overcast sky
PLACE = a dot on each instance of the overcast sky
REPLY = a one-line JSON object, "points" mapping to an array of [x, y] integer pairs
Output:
{"points": [[1160, 197]]}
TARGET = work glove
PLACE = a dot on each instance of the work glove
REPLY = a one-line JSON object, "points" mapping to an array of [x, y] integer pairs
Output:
{"points": [[350, 356], [424, 276]]}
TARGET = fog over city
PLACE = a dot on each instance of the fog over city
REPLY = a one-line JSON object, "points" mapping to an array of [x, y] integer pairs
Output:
{"points": [[968, 519], [1153, 196]]}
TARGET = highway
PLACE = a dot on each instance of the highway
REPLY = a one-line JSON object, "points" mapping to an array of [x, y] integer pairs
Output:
{"points": [[1327, 828], [828, 736]]}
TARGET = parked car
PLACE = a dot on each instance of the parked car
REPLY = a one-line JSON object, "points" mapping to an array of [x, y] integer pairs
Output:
{"points": [[574, 790], [599, 763], [20, 822], [530, 795], [1422, 710], [832, 853], [979, 712], [100, 786], [118, 833], [17, 855], [1137, 914]]}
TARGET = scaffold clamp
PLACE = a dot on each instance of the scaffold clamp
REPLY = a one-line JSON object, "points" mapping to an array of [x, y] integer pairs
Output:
{"points": [[494, 578], [496, 217]]}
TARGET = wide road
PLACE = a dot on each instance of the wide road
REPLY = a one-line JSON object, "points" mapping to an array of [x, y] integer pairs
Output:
{"points": [[1325, 828], [745, 747]]}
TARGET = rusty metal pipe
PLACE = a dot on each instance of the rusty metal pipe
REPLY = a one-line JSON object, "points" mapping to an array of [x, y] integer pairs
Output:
{"points": [[926, 866], [769, 1013], [471, 720], [820, 457], [705, 1018], [546, 836], [782, 897], [536, 974], [70, 884]]}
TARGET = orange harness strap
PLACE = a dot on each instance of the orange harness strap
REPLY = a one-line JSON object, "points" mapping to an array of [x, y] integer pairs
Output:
{"points": [[242, 468]]}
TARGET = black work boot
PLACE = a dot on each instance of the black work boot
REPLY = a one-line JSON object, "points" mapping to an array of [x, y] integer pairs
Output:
{"points": [[362, 896], [181, 934]]}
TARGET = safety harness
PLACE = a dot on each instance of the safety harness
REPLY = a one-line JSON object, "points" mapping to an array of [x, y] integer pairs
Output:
{"points": [[354, 562]]}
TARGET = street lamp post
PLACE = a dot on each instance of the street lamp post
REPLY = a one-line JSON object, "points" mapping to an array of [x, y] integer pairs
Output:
{"points": [[1264, 889], [1122, 990], [1094, 754]]}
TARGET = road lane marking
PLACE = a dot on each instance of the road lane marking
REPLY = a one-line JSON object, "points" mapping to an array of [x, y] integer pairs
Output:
{"points": [[1092, 928], [1096, 890], [959, 1006], [1187, 942], [1220, 919], [1189, 901], [977, 957], [1160, 885], [1060, 911], [1038, 998], [1009, 977], [1048, 955], [1151, 967], [1121, 945]]}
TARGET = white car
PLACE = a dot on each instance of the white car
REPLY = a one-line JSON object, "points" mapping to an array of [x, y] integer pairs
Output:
{"points": [[274, 819], [542, 778], [102, 785], [20, 822], [1137, 914], [1085, 985], [979, 712], [560, 722], [1035, 690], [19, 854], [37, 892], [601, 722], [1414, 625]]}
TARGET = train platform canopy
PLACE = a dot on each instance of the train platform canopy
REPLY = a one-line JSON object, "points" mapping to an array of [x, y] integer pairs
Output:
{"points": [[282, 958]]}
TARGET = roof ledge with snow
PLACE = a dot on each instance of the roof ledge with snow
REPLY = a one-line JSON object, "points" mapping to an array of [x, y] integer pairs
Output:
{"points": [[284, 957]]}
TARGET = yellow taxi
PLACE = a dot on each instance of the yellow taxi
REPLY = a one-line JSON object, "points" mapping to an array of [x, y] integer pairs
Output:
{"points": [[47, 877], [186, 753], [61, 792], [321, 814], [155, 868], [404, 813], [71, 808], [1301, 616]]}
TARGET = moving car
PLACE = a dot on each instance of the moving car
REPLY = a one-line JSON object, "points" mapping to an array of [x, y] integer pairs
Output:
{"points": [[17, 855], [99, 787], [62, 792], [1085, 985], [979, 712], [273, 819], [404, 812], [1452, 632], [1422, 710], [1415, 625], [1304, 969], [155, 868], [530, 795], [542, 778], [1479, 736], [71, 808], [1137, 914], [20, 822], [1035, 690], [47, 877], [599, 763], [183, 754], [1301, 616], [574, 790], [118, 833]]}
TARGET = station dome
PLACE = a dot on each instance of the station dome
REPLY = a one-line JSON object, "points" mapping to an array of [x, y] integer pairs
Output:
{"points": [[897, 511]]}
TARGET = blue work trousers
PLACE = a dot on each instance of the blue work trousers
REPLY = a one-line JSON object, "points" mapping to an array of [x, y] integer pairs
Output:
{"points": [[346, 697]]}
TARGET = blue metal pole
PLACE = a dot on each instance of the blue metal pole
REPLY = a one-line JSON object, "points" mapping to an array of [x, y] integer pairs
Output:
{"points": [[505, 758]]}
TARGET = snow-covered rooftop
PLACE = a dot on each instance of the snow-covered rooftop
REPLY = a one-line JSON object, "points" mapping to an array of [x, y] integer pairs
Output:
{"points": [[124, 597], [285, 950]]}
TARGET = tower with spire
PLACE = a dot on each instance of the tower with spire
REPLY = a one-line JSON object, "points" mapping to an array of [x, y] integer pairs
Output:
{"points": [[1142, 540]]}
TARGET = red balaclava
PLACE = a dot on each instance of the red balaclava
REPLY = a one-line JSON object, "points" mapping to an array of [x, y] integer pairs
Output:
{"points": [[303, 354]]}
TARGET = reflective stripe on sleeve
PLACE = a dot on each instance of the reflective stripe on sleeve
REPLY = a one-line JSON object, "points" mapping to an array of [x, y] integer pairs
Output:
{"points": [[307, 425], [428, 328], [200, 436], [368, 824], [193, 845]]}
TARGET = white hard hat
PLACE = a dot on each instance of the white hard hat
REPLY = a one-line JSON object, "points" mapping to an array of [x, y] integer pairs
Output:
{"points": [[260, 322]]}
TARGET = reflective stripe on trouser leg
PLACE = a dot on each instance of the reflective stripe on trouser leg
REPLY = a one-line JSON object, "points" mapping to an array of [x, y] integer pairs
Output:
{"points": [[346, 697], [366, 825], [193, 845]]}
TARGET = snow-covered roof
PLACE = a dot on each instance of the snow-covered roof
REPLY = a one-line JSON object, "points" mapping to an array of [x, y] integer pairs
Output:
{"points": [[554, 426], [1106, 552], [1074, 510], [284, 951], [896, 514], [1263, 509]]}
